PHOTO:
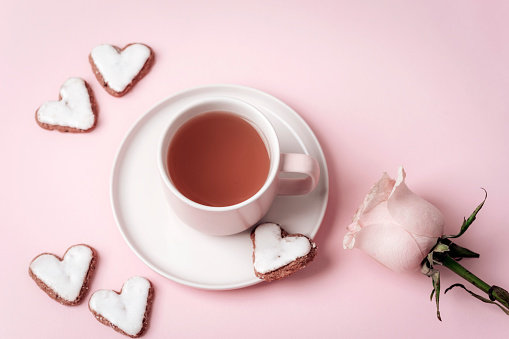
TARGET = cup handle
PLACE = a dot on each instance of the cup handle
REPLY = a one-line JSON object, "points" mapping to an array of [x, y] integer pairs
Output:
{"points": [[298, 163]]}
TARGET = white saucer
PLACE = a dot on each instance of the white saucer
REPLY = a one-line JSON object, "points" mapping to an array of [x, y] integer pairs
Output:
{"points": [[170, 247]]}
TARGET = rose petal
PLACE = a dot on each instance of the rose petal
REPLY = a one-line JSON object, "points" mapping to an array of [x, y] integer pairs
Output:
{"points": [[425, 243], [377, 215], [413, 213], [349, 239], [391, 246], [379, 192]]}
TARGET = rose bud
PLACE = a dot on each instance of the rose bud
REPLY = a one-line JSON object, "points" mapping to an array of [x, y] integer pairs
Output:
{"points": [[394, 226]]}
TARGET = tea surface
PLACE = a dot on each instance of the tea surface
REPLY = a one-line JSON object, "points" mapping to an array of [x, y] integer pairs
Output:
{"points": [[218, 159]]}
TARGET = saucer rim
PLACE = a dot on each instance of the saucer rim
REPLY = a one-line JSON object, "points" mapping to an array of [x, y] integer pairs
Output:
{"points": [[194, 91]]}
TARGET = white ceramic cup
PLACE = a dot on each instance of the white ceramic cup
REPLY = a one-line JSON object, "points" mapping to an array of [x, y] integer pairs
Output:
{"points": [[236, 218]]}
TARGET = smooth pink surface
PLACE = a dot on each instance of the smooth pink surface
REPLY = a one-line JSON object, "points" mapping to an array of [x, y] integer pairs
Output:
{"points": [[422, 84]]}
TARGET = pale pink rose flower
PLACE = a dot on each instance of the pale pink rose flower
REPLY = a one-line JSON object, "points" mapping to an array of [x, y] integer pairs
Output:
{"points": [[394, 226]]}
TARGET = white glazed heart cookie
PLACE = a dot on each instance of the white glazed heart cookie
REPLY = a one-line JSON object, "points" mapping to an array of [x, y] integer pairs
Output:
{"points": [[65, 280], [127, 311], [76, 110], [277, 254], [118, 70]]}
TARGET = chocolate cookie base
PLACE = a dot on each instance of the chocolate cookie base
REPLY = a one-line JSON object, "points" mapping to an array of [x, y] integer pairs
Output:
{"points": [[148, 309], [84, 287], [146, 68], [65, 129], [289, 269]]}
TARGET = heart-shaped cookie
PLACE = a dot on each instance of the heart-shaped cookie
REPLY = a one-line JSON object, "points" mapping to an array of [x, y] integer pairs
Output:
{"points": [[276, 254], [127, 311], [76, 110], [118, 70], [65, 280]]}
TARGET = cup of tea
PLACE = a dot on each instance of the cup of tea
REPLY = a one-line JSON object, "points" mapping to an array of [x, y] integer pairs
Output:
{"points": [[220, 164]]}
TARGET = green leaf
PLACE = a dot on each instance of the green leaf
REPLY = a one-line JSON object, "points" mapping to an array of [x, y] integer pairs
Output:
{"points": [[467, 222], [435, 277], [428, 270], [436, 287], [488, 301], [457, 252], [429, 258], [441, 247], [498, 293]]}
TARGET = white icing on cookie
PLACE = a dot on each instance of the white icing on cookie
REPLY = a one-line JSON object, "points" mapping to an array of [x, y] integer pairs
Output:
{"points": [[73, 110], [65, 277], [127, 310], [119, 69], [272, 251]]}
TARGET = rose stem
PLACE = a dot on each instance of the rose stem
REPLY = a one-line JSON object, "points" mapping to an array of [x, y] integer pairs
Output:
{"points": [[454, 266]]}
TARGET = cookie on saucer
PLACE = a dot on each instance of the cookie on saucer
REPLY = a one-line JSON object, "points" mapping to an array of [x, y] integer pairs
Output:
{"points": [[277, 254]]}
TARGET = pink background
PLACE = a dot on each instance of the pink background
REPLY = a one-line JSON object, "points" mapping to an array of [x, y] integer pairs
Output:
{"points": [[422, 84]]}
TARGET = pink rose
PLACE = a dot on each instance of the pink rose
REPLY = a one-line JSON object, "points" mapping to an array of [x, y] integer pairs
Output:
{"points": [[394, 226]]}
